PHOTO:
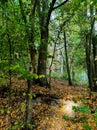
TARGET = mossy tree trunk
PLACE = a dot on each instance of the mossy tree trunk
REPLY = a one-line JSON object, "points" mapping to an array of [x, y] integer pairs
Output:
{"points": [[45, 11]]}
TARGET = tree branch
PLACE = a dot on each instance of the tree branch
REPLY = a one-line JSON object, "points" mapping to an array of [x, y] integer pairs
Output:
{"points": [[50, 10], [53, 8], [60, 4]]}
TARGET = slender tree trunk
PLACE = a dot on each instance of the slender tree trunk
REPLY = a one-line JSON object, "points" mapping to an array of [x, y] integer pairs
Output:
{"points": [[32, 51], [89, 62], [94, 42], [28, 107], [50, 67], [67, 62], [91, 52], [10, 62]]}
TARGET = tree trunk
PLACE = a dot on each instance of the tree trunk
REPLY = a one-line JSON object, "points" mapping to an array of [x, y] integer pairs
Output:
{"points": [[91, 52], [52, 59], [43, 56], [67, 62], [89, 62], [32, 51], [43, 14], [94, 43]]}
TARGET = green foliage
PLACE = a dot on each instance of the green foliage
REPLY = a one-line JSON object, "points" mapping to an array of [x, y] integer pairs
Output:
{"points": [[85, 110], [18, 124], [2, 111], [64, 77], [65, 117], [31, 126], [30, 96], [74, 100], [86, 126], [3, 1], [76, 109], [40, 76], [95, 114], [18, 69], [24, 94], [5, 111], [83, 100], [24, 74], [94, 117], [3, 76], [80, 119], [23, 107], [4, 66], [54, 75]]}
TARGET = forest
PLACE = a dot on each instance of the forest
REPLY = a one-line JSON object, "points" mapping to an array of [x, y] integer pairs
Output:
{"points": [[48, 64]]}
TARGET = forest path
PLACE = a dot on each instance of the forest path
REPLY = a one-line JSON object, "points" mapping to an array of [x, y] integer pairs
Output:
{"points": [[48, 106], [49, 109]]}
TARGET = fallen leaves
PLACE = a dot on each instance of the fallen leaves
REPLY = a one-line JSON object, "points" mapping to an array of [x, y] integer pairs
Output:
{"points": [[48, 106]]}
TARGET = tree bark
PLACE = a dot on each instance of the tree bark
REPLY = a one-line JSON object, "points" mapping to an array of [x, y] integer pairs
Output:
{"points": [[89, 62], [32, 52], [43, 56], [44, 17], [94, 43], [67, 62]]}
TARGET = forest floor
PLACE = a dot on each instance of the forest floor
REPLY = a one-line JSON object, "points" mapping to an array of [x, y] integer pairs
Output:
{"points": [[48, 107]]}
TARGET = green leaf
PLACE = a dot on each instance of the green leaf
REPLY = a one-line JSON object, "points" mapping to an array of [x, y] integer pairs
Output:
{"points": [[30, 96], [76, 109], [3, 76], [24, 94], [65, 117], [15, 67], [2, 111], [8, 111], [22, 107], [83, 100], [35, 76], [95, 114], [3, 31], [34, 95], [41, 76], [24, 1], [74, 100], [84, 109]]}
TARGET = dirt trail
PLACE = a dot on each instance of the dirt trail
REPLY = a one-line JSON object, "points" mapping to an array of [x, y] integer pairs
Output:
{"points": [[51, 104]]}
